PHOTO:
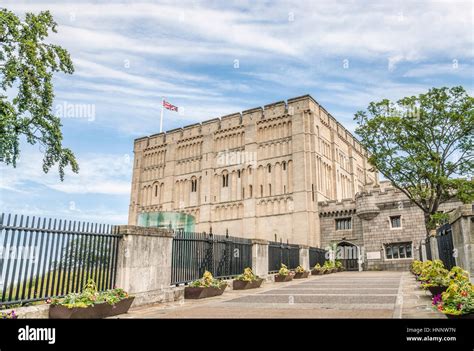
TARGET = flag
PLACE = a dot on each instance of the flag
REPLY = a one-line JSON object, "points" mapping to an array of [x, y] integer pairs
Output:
{"points": [[169, 106]]}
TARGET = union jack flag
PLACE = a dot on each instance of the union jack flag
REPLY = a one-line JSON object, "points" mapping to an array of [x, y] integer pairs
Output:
{"points": [[169, 106]]}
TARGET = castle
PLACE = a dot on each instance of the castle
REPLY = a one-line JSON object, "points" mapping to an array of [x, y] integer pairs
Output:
{"points": [[286, 172]]}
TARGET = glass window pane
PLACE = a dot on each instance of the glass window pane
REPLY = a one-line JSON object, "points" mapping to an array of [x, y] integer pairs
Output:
{"points": [[402, 251], [389, 252], [409, 253], [395, 251]]}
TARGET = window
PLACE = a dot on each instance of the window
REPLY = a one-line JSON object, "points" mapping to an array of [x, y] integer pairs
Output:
{"points": [[261, 190], [284, 166], [270, 189], [269, 168], [396, 221], [398, 250], [343, 223], [243, 193], [193, 185], [250, 190], [225, 180], [284, 189], [156, 190], [238, 173]]}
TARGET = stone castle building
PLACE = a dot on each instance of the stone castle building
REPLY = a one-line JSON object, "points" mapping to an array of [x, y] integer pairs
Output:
{"points": [[256, 174], [286, 172]]}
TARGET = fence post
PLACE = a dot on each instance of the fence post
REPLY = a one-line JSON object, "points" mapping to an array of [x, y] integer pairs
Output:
{"points": [[144, 263], [260, 257], [434, 248], [304, 256]]}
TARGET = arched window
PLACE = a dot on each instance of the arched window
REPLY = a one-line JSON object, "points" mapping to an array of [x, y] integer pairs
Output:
{"points": [[250, 191], [156, 190], [261, 190], [193, 185], [269, 168], [269, 189], [238, 173], [284, 166], [225, 180]]}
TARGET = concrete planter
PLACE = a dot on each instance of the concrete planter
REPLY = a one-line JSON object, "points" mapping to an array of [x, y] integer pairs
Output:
{"points": [[301, 275], [202, 292], [243, 285], [283, 278], [98, 311], [436, 290], [316, 272]]}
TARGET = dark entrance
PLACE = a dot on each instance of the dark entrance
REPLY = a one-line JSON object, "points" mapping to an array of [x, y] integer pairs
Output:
{"points": [[348, 254], [444, 236]]}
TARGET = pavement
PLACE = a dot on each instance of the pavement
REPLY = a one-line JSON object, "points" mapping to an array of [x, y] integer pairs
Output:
{"points": [[382, 294]]}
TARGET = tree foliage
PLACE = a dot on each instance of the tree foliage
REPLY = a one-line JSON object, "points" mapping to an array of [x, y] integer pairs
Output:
{"points": [[424, 145], [27, 65]]}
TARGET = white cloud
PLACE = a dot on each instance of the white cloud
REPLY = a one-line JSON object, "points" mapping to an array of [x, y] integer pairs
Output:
{"points": [[99, 174]]}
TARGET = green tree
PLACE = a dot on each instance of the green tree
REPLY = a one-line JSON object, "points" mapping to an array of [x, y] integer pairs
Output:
{"points": [[424, 145], [27, 64]]}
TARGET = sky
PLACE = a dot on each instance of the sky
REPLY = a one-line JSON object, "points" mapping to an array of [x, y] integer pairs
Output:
{"points": [[213, 58]]}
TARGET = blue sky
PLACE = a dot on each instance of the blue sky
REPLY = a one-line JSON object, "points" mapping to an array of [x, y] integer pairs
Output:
{"points": [[213, 58]]}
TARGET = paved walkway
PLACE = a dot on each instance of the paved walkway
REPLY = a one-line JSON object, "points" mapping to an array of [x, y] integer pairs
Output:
{"points": [[340, 295]]}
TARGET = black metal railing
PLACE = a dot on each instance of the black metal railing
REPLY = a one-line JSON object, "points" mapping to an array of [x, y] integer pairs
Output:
{"points": [[316, 255], [444, 237], [194, 253], [42, 258], [279, 253]]}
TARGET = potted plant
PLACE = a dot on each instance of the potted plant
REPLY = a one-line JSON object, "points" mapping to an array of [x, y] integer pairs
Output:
{"points": [[207, 286], [300, 273], [9, 315], [457, 301], [284, 274], [317, 270], [91, 303], [247, 280], [435, 278], [415, 267], [329, 267]]}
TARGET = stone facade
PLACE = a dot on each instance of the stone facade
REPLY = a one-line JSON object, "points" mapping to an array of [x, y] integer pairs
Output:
{"points": [[258, 174], [371, 214]]}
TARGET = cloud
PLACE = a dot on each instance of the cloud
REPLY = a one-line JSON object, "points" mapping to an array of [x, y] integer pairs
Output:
{"points": [[105, 174]]}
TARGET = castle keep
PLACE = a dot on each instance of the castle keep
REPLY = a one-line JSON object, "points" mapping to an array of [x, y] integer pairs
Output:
{"points": [[256, 174]]}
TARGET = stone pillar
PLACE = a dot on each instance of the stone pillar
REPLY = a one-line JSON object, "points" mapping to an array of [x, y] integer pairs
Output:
{"points": [[434, 248], [144, 263], [304, 257], [260, 257]]}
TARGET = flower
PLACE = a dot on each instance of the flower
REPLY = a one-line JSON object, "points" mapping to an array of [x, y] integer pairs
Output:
{"points": [[437, 299]]}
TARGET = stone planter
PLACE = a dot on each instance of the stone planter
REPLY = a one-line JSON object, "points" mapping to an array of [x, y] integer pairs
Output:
{"points": [[283, 278], [436, 290], [98, 311], [333, 270], [316, 272], [460, 316], [327, 271], [301, 275], [202, 292], [242, 285]]}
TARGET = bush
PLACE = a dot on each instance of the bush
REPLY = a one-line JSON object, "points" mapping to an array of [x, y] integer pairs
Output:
{"points": [[208, 281], [300, 269], [91, 296], [284, 271], [247, 276], [458, 299]]}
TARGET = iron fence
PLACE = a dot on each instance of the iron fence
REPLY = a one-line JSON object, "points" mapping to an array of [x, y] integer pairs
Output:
{"points": [[316, 255], [222, 255], [279, 253], [42, 258], [444, 237]]}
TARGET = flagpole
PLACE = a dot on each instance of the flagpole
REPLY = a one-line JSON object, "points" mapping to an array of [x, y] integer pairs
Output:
{"points": [[161, 117]]}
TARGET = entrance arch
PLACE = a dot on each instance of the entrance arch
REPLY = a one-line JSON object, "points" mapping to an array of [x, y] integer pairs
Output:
{"points": [[348, 253]]}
